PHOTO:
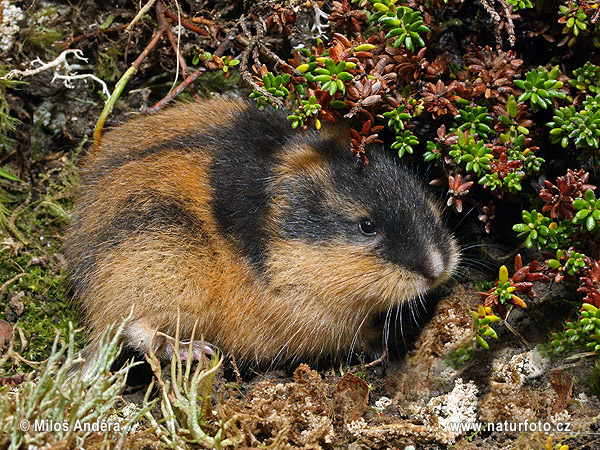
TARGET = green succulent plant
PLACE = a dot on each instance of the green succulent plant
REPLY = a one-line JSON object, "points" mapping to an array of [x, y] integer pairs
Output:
{"points": [[541, 87], [576, 21], [475, 156], [588, 211], [587, 78], [397, 118], [332, 77], [520, 4], [538, 230], [570, 262], [308, 108], [483, 319], [583, 332], [434, 151], [474, 119], [400, 22], [274, 85], [405, 141], [580, 127]]}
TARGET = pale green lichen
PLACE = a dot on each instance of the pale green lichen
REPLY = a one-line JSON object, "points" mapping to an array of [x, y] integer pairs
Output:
{"points": [[60, 398]]}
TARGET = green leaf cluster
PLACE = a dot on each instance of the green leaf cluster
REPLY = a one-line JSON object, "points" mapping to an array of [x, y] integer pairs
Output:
{"points": [[587, 78], [401, 23], [474, 119], [581, 127], [541, 87], [514, 130], [588, 211], [520, 4], [583, 332], [274, 85], [541, 230], [483, 319], [573, 261], [405, 141], [332, 77], [576, 23], [473, 155], [309, 108]]}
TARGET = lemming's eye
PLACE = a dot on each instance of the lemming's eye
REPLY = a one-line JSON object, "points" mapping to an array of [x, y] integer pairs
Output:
{"points": [[367, 227]]}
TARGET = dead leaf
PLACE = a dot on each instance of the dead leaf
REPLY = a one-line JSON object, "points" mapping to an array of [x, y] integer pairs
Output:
{"points": [[562, 383], [13, 380], [6, 332], [350, 398]]}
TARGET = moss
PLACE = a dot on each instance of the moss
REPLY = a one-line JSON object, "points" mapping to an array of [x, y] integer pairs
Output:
{"points": [[594, 385], [43, 287], [43, 40], [45, 297], [106, 66]]}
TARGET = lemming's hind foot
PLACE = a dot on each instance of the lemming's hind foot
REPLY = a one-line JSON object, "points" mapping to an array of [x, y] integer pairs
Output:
{"points": [[142, 336], [164, 347]]}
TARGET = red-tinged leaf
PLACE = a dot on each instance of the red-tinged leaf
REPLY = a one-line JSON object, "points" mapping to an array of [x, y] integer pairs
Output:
{"points": [[345, 54], [353, 92], [520, 274], [334, 54], [364, 55], [343, 39], [377, 129], [490, 300], [475, 68], [523, 286], [538, 277], [327, 116], [355, 134], [370, 139], [518, 264], [465, 186], [13, 380], [393, 102], [365, 128]]}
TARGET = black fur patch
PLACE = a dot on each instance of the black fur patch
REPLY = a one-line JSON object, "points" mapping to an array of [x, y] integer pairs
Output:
{"points": [[239, 175]]}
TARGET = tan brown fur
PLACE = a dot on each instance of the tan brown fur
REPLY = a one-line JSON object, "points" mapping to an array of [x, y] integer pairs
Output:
{"points": [[144, 131]]}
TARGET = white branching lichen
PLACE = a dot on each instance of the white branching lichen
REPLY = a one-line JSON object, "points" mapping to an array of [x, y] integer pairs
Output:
{"points": [[61, 69]]}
